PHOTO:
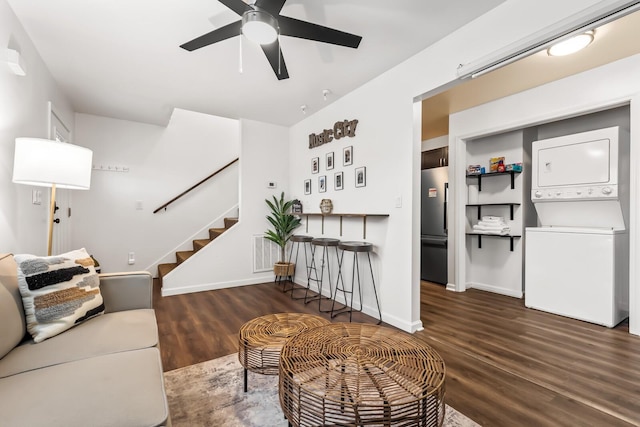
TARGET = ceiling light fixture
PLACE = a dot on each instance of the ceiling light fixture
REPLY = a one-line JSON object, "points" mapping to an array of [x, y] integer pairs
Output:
{"points": [[572, 45], [259, 27]]}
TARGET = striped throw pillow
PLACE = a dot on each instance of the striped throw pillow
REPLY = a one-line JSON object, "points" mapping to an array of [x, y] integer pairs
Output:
{"points": [[58, 292]]}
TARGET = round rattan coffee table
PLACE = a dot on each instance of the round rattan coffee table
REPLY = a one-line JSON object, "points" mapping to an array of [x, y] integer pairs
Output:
{"points": [[360, 375], [260, 340]]}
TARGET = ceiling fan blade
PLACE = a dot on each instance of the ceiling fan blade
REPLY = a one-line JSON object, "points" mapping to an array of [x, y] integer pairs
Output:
{"points": [[214, 36], [273, 53], [238, 6], [272, 6], [307, 30]]}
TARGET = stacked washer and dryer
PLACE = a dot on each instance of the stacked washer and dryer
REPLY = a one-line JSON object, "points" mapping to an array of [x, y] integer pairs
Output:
{"points": [[577, 260]]}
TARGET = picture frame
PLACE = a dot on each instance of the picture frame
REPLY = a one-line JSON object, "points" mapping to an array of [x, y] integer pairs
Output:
{"points": [[307, 186], [347, 156], [361, 177], [315, 165], [330, 161], [338, 181], [322, 184]]}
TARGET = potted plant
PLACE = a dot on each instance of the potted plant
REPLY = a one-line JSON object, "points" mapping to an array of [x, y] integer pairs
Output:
{"points": [[282, 225]]}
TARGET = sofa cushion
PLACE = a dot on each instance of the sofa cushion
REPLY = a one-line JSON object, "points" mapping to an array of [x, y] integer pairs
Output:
{"points": [[106, 334], [12, 322], [120, 389], [58, 292]]}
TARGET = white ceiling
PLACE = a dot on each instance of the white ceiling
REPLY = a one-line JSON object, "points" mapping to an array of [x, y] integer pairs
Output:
{"points": [[122, 59]]}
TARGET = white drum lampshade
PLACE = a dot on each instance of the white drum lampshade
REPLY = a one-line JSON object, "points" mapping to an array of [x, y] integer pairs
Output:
{"points": [[44, 162], [48, 163]]}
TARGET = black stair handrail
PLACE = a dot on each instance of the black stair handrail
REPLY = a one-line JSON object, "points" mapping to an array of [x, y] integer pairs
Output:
{"points": [[196, 185]]}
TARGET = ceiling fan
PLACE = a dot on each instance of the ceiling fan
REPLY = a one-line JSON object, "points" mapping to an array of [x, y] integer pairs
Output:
{"points": [[261, 22]]}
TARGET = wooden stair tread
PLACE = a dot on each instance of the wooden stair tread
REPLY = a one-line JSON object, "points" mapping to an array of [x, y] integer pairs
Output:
{"points": [[200, 243], [230, 222], [181, 256], [164, 269]]}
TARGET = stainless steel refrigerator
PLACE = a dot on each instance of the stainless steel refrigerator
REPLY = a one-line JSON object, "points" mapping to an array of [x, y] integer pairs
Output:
{"points": [[433, 225]]}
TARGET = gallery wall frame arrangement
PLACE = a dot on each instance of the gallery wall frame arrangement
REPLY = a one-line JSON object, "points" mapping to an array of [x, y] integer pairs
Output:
{"points": [[307, 186], [322, 184], [347, 156], [315, 165], [330, 161], [338, 181], [361, 176]]}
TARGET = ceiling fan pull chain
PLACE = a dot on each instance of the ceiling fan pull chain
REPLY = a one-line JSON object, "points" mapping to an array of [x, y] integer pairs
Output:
{"points": [[279, 53], [240, 61]]}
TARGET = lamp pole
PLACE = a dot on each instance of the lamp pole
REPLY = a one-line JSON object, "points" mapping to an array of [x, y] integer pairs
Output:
{"points": [[52, 211]]}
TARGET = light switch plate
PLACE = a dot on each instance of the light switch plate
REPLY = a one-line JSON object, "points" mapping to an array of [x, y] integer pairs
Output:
{"points": [[36, 197]]}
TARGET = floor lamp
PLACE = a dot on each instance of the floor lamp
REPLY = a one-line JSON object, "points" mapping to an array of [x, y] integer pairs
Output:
{"points": [[48, 163]]}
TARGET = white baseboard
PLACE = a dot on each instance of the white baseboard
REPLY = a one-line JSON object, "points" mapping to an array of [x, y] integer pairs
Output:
{"points": [[453, 288], [495, 289], [214, 286]]}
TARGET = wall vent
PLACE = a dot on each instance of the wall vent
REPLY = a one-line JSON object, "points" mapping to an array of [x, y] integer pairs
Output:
{"points": [[265, 254]]}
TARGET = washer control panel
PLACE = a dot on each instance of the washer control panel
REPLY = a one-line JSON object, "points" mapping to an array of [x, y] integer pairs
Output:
{"points": [[592, 192]]}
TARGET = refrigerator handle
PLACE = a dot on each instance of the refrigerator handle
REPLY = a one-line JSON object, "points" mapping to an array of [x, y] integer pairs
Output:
{"points": [[446, 199]]}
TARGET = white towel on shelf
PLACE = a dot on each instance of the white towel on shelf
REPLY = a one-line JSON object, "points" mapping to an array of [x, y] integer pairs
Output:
{"points": [[491, 230], [493, 220], [492, 225]]}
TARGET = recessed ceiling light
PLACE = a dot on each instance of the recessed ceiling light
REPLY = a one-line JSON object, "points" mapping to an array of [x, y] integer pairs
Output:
{"points": [[572, 45]]}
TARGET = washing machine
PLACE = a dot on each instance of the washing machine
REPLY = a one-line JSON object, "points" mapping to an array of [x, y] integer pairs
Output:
{"points": [[580, 273]]}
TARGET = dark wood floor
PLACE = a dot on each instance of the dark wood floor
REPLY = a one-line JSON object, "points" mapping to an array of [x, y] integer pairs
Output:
{"points": [[506, 365]]}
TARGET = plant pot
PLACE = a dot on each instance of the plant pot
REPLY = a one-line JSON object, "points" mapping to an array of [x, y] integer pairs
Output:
{"points": [[283, 269]]}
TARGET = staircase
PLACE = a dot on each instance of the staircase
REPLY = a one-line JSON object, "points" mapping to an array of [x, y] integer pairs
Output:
{"points": [[181, 256]]}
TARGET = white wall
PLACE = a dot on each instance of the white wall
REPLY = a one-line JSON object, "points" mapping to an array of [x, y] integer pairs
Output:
{"points": [[389, 147], [598, 89], [162, 162], [228, 261], [23, 112], [433, 143]]}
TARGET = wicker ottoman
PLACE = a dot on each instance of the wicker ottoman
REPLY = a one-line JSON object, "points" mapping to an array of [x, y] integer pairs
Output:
{"points": [[360, 375], [260, 340]]}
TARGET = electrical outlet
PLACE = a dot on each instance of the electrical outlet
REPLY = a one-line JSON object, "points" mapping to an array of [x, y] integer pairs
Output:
{"points": [[272, 184]]}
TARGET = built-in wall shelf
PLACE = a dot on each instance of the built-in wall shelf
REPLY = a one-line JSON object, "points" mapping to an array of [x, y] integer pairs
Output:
{"points": [[480, 176], [501, 236], [479, 206], [343, 215]]}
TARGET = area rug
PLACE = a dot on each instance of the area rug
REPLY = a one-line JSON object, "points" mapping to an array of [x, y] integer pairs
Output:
{"points": [[211, 394]]}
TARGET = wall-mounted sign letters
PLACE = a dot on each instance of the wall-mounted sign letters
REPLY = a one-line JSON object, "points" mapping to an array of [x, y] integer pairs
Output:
{"points": [[346, 128]]}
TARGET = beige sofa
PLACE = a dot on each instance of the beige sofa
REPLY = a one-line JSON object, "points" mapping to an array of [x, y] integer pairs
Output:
{"points": [[104, 372]]}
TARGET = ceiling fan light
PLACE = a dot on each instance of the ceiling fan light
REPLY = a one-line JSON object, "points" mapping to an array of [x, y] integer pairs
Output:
{"points": [[572, 45], [259, 27]]}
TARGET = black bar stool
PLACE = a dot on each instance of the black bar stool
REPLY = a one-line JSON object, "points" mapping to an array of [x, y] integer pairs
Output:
{"points": [[356, 248], [325, 244], [296, 241]]}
